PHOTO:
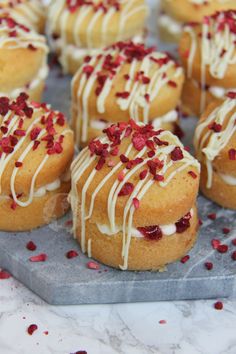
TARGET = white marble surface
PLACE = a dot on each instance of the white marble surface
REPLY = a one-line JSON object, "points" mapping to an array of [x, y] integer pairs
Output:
{"points": [[191, 328]]}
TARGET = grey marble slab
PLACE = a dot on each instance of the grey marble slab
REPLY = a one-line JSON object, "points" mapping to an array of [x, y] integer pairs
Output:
{"points": [[62, 281], [68, 281]]}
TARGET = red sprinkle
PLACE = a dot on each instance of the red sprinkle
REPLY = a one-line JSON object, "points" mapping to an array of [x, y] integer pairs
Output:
{"points": [[31, 246], [215, 127], [39, 258], [176, 154], [218, 305], [212, 216], [71, 254], [209, 265], [127, 189], [93, 265], [172, 83], [226, 230], [232, 154], [192, 174], [31, 329], [151, 232], [121, 176], [143, 174], [123, 95], [234, 241], [215, 243], [4, 275], [185, 259], [88, 69], [162, 322], [18, 164], [231, 95], [139, 141], [233, 256], [222, 248], [136, 203]]}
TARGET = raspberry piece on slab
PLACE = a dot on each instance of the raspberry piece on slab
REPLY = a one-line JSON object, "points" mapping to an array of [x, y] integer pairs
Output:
{"points": [[31, 329], [218, 305]]}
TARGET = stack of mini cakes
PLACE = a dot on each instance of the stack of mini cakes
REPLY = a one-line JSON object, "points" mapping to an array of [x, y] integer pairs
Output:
{"points": [[80, 28]]}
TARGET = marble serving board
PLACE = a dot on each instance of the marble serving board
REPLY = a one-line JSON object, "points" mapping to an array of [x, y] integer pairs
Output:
{"points": [[62, 281]]}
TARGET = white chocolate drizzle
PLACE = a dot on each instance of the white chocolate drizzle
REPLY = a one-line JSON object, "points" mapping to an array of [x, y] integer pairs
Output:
{"points": [[209, 144], [84, 161], [217, 47]]}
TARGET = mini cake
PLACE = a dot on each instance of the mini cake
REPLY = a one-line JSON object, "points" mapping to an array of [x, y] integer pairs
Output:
{"points": [[208, 53], [127, 80], [36, 149], [215, 146], [123, 215], [174, 13], [31, 13], [77, 28], [23, 60]]}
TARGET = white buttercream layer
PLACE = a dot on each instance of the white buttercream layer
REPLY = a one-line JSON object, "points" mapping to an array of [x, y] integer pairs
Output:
{"points": [[167, 230], [170, 117]]}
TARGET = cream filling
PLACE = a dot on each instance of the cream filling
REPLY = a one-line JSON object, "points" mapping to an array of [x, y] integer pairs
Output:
{"points": [[47, 188], [219, 92], [169, 117], [50, 187], [216, 91], [167, 22], [78, 53], [230, 180], [42, 74], [167, 230]]}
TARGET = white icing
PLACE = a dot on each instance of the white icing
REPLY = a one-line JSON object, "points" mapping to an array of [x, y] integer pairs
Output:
{"points": [[169, 117], [47, 188], [208, 145], [98, 124], [211, 51], [78, 200], [169, 23]]}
